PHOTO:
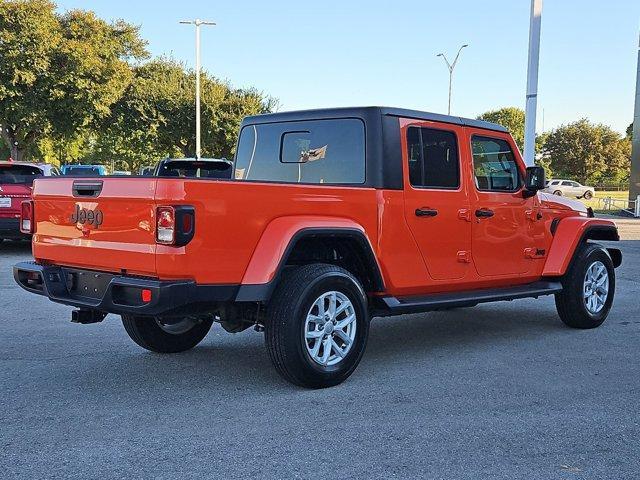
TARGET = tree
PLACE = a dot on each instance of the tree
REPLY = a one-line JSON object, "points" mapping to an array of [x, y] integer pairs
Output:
{"points": [[155, 118], [59, 74], [511, 118], [630, 131], [588, 153]]}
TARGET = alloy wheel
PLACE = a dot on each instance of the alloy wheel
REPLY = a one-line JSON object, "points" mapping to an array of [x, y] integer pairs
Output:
{"points": [[330, 328], [596, 287]]}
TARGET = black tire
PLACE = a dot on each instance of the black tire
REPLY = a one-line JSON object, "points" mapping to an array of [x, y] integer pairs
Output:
{"points": [[285, 326], [570, 302], [149, 334], [558, 193], [587, 195]]}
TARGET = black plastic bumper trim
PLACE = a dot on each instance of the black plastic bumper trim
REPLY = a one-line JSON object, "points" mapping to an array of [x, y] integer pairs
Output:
{"points": [[166, 296]]}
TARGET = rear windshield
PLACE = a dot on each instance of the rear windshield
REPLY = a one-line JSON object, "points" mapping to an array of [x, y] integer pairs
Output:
{"points": [[194, 169], [84, 171], [318, 151], [19, 174]]}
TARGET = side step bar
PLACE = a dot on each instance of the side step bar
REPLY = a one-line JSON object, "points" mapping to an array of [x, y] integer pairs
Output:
{"points": [[437, 301]]}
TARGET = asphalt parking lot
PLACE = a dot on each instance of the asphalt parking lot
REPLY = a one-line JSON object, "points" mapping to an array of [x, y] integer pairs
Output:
{"points": [[496, 391]]}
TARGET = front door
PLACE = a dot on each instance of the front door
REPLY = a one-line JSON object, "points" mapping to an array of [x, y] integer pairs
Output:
{"points": [[501, 214], [436, 203]]}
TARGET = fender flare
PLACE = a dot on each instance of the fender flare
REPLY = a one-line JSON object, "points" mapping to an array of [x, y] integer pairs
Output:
{"points": [[278, 241], [570, 233]]}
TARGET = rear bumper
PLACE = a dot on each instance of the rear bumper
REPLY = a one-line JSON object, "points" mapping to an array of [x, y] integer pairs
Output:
{"points": [[10, 228], [119, 294]]}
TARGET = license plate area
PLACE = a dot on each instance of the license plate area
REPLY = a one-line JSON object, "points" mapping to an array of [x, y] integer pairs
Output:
{"points": [[85, 283], [5, 202]]}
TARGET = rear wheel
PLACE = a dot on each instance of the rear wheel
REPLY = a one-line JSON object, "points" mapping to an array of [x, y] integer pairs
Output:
{"points": [[162, 337], [317, 326], [587, 288], [558, 193], [588, 195]]}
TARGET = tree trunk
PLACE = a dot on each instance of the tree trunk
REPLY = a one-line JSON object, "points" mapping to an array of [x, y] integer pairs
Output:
{"points": [[18, 152]]}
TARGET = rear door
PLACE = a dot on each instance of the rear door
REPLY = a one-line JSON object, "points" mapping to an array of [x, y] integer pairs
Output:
{"points": [[436, 201], [502, 231], [96, 223]]}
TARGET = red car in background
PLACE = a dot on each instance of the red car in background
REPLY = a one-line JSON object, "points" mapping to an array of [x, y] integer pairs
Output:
{"points": [[16, 183]]}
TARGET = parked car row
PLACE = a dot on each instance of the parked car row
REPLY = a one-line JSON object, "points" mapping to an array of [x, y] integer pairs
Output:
{"points": [[16, 182]]}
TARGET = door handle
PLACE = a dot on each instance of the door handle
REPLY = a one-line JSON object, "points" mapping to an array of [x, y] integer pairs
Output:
{"points": [[426, 212], [484, 213]]}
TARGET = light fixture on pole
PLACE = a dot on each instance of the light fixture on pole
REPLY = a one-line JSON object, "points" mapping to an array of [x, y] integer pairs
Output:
{"points": [[197, 22], [451, 66]]}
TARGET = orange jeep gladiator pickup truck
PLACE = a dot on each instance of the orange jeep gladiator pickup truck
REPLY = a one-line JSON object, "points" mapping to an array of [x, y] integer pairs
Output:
{"points": [[331, 217]]}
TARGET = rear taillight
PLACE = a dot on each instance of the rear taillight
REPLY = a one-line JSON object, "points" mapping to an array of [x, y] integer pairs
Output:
{"points": [[175, 225], [166, 225], [26, 217]]}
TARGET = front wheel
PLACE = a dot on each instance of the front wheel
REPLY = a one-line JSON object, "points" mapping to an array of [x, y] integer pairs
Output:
{"points": [[587, 195], [161, 336], [587, 288], [558, 193], [317, 326]]}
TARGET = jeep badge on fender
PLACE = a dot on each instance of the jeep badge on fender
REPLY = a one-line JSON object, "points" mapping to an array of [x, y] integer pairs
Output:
{"points": [[84, 216]]}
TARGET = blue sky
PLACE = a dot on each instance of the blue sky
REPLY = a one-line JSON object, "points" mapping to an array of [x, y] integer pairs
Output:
{"points": [[312, 54]]}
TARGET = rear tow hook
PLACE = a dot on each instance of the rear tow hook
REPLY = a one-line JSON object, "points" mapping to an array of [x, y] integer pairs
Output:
{"points": [[85, 316]]}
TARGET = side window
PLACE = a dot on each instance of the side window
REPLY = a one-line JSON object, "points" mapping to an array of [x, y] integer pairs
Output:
{"points": [[567, 184], [494, 165], [433, 158], [316, 151]]}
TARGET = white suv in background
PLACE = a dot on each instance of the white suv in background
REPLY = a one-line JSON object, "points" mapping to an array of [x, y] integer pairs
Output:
{"points": [[569, 188]]}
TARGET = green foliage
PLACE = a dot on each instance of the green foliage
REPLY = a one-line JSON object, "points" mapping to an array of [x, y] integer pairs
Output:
{"points": [[59, 74], [589, 153], [155, 118], [541, 160], [511, 118], [630, 131], [69, 92]]}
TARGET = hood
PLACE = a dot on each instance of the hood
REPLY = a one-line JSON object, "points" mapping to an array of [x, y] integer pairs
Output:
{"points": [[557, 202]]}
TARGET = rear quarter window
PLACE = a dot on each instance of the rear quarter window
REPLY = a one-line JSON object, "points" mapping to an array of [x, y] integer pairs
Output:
{"points": [[312, 152]]}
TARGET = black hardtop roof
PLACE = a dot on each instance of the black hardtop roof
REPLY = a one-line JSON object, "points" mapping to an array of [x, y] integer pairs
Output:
{"points": [[366, 112]]}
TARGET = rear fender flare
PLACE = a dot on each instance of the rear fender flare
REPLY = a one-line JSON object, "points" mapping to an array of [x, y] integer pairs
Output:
{"points": [[277, 242], [570, 233]]}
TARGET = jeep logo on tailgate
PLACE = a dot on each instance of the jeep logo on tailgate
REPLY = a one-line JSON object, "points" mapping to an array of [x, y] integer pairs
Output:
{"points": [[84, 216]]}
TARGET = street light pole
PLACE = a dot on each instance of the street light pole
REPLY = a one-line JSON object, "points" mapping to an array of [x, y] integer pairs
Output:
{"points": [[197, 22], [451, 66], [634, 179], [532, 84]]}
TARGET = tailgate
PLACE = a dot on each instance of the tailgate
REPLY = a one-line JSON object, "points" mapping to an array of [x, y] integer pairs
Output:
{"points": [[11, 196], [102, 223]]}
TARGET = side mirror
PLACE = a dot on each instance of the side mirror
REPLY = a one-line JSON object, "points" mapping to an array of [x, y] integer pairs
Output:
{"points": [[534, 181]]}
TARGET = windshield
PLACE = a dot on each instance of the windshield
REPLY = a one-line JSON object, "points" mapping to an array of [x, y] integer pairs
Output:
{"points": [[81, 170], [19, 174], [194, 169]]}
